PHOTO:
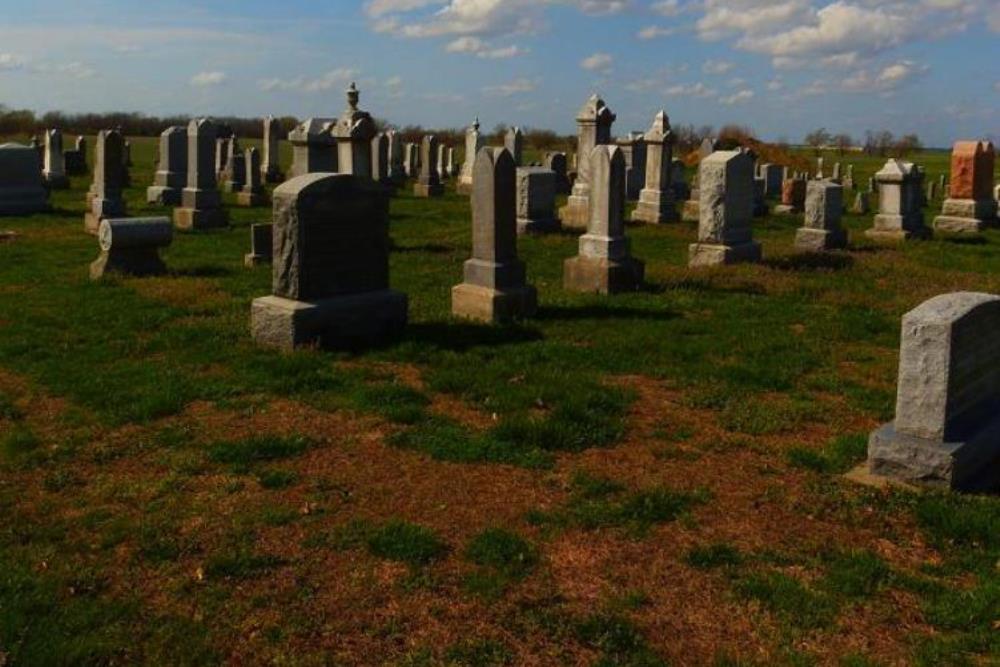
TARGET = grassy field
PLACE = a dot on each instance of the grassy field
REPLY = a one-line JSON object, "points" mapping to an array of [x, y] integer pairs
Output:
{"points": [[649, 479]]}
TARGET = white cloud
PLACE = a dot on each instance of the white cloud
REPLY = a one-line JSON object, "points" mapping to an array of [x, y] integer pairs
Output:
{"points": [[737, 98], [597, 62], [666, 7], [515, 87], [9, 61], [654, 31], [208, 79], [394, 82], [690, 90], [885, 79], [717, 67], [329, 80], [481, 49]]}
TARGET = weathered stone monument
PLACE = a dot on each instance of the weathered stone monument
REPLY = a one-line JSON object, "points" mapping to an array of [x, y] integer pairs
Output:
{"points": [[513, 141], [604, 264], [354, 132], [634, 149], [76, 159], [380, 159], [201, 202], [824, 210], [261, 245], [54, 170], [473, 144], [862, 205], [970, 205], [452, 163], [442, 162], [252, 193], [494, 289], [104, 199], [131, 246], [235, 172], [331, 266], [313, 147], [270, 169], [793, 197], [21, 188], [536, 200], [947, 429], [773, 175], [126, 163], [397, 171], [899, 217], [678, 181], [428, 184], [656, 200], [556, 163], [594, 129], [726, 191], [171, 172]]}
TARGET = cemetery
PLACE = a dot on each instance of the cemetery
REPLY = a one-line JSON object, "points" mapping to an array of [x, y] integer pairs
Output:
{"points": [[336, 391]]}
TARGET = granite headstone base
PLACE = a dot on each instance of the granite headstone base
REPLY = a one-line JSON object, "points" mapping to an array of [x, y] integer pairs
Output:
{"points": [[819, 240], [494, 306], [710, 254], [601, 275]]}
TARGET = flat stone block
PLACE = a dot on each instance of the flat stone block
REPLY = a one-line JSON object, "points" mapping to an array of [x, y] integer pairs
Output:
{"points": [[421, 190], [897, 236], [251, 260], [967, 465], [691, 211], [602, 275], [954, 225], [251, 199], [819, 240], [525, 226], [195, 219], [164, 196], [575, 214], [91, 223], [130, 262], [494, 306], [343, 321], [707, 254], [463, 188], [654, 214], [787, 209]]}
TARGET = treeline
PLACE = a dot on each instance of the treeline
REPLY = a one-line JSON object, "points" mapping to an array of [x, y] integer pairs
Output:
{"points": [[877, 142], [25, 121]]}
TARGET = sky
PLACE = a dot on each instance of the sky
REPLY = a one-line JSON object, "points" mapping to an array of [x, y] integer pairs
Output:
{"points": [[782, 67]]}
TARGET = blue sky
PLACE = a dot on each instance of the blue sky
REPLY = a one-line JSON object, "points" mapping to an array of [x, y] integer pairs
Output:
{"points": [[783, 67]]}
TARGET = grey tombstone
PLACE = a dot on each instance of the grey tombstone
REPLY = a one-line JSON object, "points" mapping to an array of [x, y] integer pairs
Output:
{"points": [[726, 190], [759, 197], [819, 167], [706, 148], [354, 132], [252, 193], [536, 200], [473, 144], [380, 159], [21, 189], [126, 162], [76, 159], [849, 178], [104, 199], [862, 205], [330, 266], [604, 264], [201, 202], [54, 168], [130, 246], [946, 431], [429, 183], [261, 245], [773, 177], [494, 288], [793, 197], [235, 172], [556, 162], [313, 147], [270, 168], [635, 150], [397, 170], [513, 141], [970, 205], [452, 165], [171, 172], [442, 162], [656, 200], [824, 210], [409, 162], [226, 177], [594, 122], [678, 180], [899, 216], [836, 172]]}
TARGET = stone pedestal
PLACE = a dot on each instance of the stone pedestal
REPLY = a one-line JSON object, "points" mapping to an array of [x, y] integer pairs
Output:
{"points": [[201, 202], [824, 209], [344, 321], [171, 174], [970, 206], [130, 246], [820, 240], [899, 217], [576, 213], [602, 275], [429, 182], [656, 199], [968, 216], [726, 192], [200, 209], [691, 212], [710, 254], [261, 245], [536, 200], [593, 129]]}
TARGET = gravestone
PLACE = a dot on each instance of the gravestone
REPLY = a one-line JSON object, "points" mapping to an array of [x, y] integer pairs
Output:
{"points": [[330, 266], [21, 189], [836, 173], [252, 193], [726, 190], [862, 205], [773, 175], [593, 129], [849, 179], [428, 184], [656, 200], [678, 181], [76, 159], [634, 149], [793, 197], [126, 163], [819, 168], [171, 172], [397, 172], [313, 147], [706, 148], [442, 162], [604, 263], [235, 171], [970, 205], [354, 132], [54, 170], [473, 144], [899, 216], [104, 199], [536, 200], [380, 159], [201, 202], [824, 209], [513, 141], [556, 162], [452, 163], [271, 169], [759, 198], [261, 245], [131, 246], [494, 289], [947, 427]]}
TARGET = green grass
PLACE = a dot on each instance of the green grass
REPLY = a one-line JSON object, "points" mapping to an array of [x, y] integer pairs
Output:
{"points": [[839, 456], [258, 449]]}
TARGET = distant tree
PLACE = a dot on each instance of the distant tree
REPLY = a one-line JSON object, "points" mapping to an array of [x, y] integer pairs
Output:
{"points": [[843, 142], [817, 139], [909, 143], [884, 142], [732, 137]]}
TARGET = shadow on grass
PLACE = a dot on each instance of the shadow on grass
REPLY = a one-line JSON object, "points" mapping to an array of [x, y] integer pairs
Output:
{"points": [[603, 312], [958, 239], [432, 248], [201, 272], [701, 285], [811, 261], [458, 337]]}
